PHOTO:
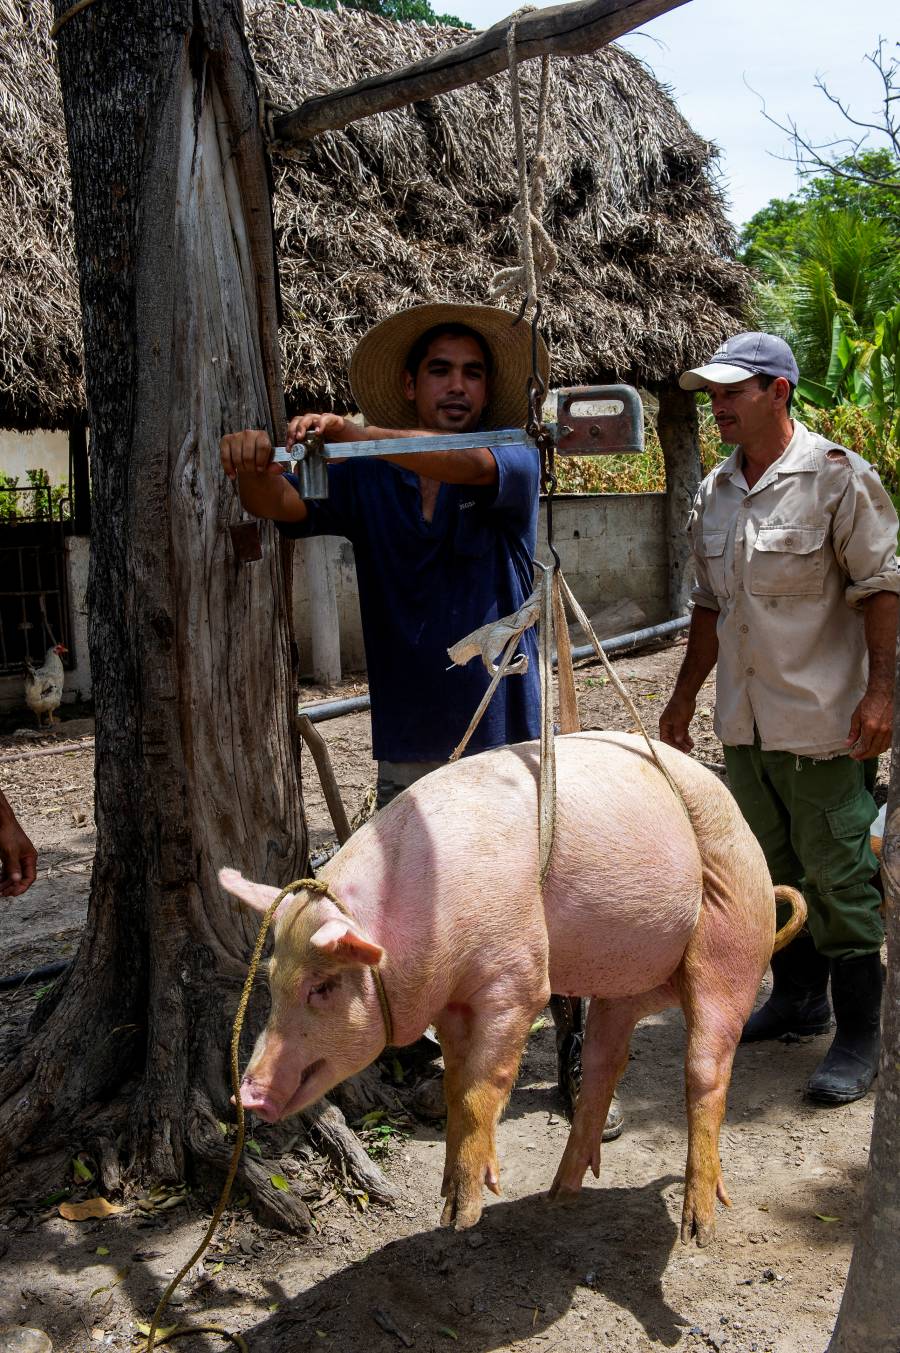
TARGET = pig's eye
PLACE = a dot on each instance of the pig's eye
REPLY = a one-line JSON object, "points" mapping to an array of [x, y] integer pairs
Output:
{"points": [[321, 989]]}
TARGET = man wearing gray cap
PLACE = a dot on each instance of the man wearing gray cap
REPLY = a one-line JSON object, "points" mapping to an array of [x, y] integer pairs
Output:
{"points": [[794, 541]]}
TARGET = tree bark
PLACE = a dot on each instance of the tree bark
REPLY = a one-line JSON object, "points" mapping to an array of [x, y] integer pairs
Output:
{"points": [[196, 762], [869, 1318], [564, 30], [680, 441]]}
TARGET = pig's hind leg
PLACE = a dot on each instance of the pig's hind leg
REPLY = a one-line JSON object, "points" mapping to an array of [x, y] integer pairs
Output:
{"points": [[482, 1049], [604, 1057], [717, 981]]}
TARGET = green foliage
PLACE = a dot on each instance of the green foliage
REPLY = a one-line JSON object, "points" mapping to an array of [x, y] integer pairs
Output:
{"points": [[828, 260], [40, 501], [842, 265], [8, 497], [775, 229], [402, 11], [859, 397], [636, 474]]}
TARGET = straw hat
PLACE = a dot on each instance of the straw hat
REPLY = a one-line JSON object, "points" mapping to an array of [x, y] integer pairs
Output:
{"points": [[376, 370]]}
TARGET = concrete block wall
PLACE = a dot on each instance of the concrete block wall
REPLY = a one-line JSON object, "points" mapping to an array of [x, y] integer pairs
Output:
{"points": [[612, 547]]}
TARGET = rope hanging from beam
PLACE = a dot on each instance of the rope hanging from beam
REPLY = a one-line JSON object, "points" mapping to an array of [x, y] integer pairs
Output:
{"points": [[537, 252]]}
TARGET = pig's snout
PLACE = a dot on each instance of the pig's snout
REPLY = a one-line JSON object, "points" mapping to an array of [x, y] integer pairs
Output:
{"points": [[255, 1099]]}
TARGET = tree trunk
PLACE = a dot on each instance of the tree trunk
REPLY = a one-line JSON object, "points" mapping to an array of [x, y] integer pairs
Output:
{"points": [[196, 762], [680, 441], [869, 1318]]}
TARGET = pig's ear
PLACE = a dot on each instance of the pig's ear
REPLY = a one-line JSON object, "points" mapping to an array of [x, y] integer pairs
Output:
{"points": [[340, 941], [259, 896]]}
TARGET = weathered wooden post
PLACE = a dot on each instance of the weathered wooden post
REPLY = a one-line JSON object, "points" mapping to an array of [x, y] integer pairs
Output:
{"points": [[197, 763], [679, 437]]}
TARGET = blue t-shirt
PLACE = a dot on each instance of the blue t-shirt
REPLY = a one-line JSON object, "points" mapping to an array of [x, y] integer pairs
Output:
{"points": [[424, 585]]}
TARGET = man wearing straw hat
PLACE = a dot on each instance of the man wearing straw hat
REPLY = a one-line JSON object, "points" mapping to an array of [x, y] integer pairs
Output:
{"points": [[443, 540]]}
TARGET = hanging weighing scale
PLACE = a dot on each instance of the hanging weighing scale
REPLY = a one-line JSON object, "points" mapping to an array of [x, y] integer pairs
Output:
{"points": [[591, 420]]}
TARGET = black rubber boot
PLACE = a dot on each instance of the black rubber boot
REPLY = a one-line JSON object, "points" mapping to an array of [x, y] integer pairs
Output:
{"points": [[851, 1063], [798, 1004], [568, 1016]]}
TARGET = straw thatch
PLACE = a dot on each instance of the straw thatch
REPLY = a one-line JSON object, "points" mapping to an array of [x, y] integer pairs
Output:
{"points": [[405, 206]]}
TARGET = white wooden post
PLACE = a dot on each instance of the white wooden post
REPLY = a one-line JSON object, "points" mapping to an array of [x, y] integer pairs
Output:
{"points": [[324, 625]]}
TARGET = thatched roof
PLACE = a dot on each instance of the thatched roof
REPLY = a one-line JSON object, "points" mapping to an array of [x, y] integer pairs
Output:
{"points": [[405, 206]]}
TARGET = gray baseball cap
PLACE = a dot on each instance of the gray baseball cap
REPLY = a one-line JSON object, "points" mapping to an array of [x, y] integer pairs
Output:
{"points": [[742, 356]]}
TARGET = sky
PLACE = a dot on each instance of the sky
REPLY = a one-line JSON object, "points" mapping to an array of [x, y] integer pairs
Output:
{"points": [[715, 53]]}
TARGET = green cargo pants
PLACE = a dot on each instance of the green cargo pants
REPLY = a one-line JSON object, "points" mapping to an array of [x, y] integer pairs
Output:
{"points": [[812, 819]]}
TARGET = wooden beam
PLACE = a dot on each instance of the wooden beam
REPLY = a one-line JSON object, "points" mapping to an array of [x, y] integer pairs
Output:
{"points": [[564, 30]]}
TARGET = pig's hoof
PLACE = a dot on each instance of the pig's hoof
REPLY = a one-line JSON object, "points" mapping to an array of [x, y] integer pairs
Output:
{"points": [[569, 1175], [463, 1206], [697, 1228], [563, 1195]]}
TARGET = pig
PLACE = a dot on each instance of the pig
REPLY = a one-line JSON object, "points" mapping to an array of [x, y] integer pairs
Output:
{"points": [[644, 906]]}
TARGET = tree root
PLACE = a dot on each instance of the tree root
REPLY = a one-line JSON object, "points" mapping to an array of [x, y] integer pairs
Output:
{"points": [[345, 1150], [274, 1207], [365, 1093], [35, 1170]]}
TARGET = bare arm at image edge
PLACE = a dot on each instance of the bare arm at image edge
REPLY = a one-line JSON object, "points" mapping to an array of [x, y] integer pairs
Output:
{"points": [[18, 857]]}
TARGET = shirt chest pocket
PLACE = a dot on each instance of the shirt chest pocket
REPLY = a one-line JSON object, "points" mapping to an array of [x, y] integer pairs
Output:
{"points": [[714, 556], [788, 561]]}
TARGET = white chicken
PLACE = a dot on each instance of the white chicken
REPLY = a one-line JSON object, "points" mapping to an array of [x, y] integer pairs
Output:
{"points": [[44, 685]]}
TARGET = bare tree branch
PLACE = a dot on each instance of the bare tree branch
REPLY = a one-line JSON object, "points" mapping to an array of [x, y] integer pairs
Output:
{"points": [[835, 157]]}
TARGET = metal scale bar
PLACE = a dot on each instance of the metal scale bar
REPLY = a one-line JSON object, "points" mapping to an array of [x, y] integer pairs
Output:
{"points": [[592, 420], [408, 446]]}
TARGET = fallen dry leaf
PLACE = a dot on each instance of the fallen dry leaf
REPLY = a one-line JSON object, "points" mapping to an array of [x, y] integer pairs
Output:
{"points": [[91, 1207]]}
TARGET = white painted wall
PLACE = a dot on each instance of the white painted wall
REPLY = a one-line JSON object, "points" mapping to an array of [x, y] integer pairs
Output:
{"points": [[41, 450]]}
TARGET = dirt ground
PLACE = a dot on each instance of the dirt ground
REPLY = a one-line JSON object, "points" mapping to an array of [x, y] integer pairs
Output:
{"points": [[606, 1274]]}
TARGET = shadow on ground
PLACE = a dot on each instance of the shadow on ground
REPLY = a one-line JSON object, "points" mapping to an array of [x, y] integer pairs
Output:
{"points": [[615, 1241]]}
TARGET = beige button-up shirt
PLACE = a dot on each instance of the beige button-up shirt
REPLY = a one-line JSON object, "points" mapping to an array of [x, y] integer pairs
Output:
{"points": [[787, 565]]}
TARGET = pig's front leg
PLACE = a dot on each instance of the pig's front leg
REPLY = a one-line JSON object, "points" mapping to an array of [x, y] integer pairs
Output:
{"points": [[482, 1047]]}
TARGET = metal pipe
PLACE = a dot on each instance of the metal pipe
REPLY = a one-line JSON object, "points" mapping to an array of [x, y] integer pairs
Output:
{"points": [[356, 704], [621, 642], [23, 979], [334, 709]]}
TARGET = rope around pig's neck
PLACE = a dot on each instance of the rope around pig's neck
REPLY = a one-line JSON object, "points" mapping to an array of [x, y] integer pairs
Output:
{"points": [[311, 886]]}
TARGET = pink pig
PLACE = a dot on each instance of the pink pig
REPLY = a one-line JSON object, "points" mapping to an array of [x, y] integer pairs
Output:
{"points": [[641, 910]]}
